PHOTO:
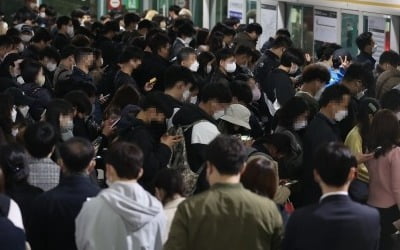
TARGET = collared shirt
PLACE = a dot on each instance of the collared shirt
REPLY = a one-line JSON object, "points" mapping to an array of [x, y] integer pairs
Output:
{"points": [[43, 173], [333, 193]]}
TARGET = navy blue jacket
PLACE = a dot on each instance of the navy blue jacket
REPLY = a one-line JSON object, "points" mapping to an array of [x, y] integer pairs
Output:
{"points": [[53, 223], [334, 223], [11, 237]]}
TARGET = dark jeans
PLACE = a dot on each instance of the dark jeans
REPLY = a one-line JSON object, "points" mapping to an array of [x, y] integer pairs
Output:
{"points": [[388, 216]]}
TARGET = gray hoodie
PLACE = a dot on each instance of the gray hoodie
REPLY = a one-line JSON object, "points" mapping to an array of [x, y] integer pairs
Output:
{"points": [[122, 217]]}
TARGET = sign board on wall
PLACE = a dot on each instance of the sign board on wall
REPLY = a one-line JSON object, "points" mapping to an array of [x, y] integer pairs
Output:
{"points": [[376, 25], [268, 22], [114, 4], [236, 8], [325, 26]]}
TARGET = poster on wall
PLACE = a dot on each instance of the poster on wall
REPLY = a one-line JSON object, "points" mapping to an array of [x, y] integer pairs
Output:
{"points": [[236, 8], [376, 25], [268, 23], [325, 26]]}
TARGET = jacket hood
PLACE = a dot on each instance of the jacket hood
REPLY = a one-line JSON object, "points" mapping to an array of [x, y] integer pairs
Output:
{"points": [[132, 203], [189, 114], [385, 76]]}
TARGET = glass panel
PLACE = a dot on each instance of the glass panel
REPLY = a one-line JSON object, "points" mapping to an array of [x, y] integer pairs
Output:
{"points": [[380, 29], [197, 10], [349, 33], [251, 7], [308, 30], [294, 24], [64, 7], [221, 10]]}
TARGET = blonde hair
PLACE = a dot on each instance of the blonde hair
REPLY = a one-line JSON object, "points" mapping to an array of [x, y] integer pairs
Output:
{"points": [[150, 14]]}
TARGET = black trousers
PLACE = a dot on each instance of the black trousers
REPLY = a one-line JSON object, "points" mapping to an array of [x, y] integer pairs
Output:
{"points": [[388, 216]]}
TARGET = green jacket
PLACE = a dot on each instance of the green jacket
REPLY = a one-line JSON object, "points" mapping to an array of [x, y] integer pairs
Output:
{"points": [[226, 217]]}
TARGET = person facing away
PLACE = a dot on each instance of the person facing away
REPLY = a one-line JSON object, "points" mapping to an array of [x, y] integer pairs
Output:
{"points": [[124, 216], [52, 226], [227, 216], [336, 222]]}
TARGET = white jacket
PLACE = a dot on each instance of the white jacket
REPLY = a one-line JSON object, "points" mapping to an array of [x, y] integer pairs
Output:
{"points": [[122, 217]]}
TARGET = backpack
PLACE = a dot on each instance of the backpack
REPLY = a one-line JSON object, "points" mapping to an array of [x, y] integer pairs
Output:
{"points": [[179, 159]]}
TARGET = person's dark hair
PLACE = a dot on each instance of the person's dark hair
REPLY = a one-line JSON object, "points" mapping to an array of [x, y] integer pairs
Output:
{"points": [[8, 61], [202, 36], [254, 27], [158, 42], [130, 18], [62, 20], [325, 51], [125, 95], [175, 9], [384, 132], [204, 58], [231, 21], [171, 181], [216, 91], [227, 154], [6, 105], [56, 108], [242, 91], [333, 93], [80, 101], [126, 158], [357, 71], [260, 177], [111, 26], [243, 50], [30, 70], [13, 32], [186, 29], [130, 53], [292, 55], [280, 141], [368, 106], [175, 74], [13, 163], [158, 19], [145, 24], [281, 42], [81, 41], [339, 55], [184, 54], [67, 51], [81, 52], [40, 139], [224, 54], [76, 154], [364, 40], [50, 52], [290, 111], [333, 163], [283, 32], [391, 57], [5, 41], [157, 100], [41, 35], [215, 41], [391, 100], [316, 72]]}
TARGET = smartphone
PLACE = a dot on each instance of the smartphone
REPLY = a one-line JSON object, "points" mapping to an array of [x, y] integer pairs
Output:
{"points": [[377, 150], [115, 123], [290, 183], [245, 138]]}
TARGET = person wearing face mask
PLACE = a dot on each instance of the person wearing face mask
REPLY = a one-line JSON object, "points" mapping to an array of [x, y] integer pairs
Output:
{"points": [[39, 41], [64, 68], [49, 58], [279, 87], [60, 114], [314, 78], [106, 44], [367, 46], [355, 80], [292, 120], [321, 130], [65, 32], [84, 58], [187, 58], [10, 73], [242, 57], [185, 36], [21, 101], [7, 119], [32, 73], [5, 46], [214, 99], [203, 74], [390, 74], [26, 34], [226, 66]]}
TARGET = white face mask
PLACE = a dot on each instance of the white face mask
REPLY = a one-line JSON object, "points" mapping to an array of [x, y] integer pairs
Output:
{"points": [[193, 99], [67, 130], [70, 31], [13, 115], [299, 125], [26, 38], [185, 95], [42, 14], [293, 69], [340, 115], [20, 80], [41, 80], [374, 49], [208, 69], [101, 61], [24, 110], [51, 66], [218, 114], [195, 66], [256, 94], [187, 40], [21, 47], [230, 67], [14, 132]]}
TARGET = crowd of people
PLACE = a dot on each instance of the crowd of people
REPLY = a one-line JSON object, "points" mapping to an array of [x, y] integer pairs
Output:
{"points": [[147, 132]]}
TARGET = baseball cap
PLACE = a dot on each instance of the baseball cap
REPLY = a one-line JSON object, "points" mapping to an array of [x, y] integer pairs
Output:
{"points": [[237, 114]]}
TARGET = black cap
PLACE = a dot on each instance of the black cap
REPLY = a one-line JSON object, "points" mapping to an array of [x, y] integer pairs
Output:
{"points": [[20, 99]]}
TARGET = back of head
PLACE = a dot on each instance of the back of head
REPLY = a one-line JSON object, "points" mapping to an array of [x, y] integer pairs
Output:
{"points": [[126, 158], [80, 101], [13, 162], [254, 27], [186, 30], [41, 35], [292, 55], [76, 154], [260, 177], [227, 154], [243, 50], [391, 57], [290, 112], [357, 71], [223, 54], [158, 42], [391, 100], [62, 20], [216, 91], [283, 32], [157, 100], [130, 53], [184, 54], [333, 164], [67, 51], [281, 42], [130, 18], [363, 40], [314, 72], [242, 91], [170, 181], [81, 52], [175, 9], [40, 139], [333, 93], [175, 74]]}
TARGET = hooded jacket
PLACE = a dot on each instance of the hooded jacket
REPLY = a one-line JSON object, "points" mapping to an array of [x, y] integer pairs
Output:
{"points": [[387, 81], [122, 217]]}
